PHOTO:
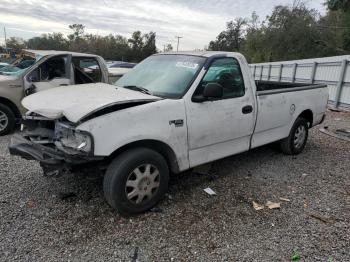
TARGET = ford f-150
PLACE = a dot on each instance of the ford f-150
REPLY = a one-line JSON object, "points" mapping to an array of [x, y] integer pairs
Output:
{"points": [[172, 112]]}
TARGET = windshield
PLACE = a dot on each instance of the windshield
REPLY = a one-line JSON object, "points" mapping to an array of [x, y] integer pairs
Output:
{"points": [[163, 75], [17, 67]]}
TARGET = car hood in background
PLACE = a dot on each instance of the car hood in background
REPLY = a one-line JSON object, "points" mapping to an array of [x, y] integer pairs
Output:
{"points": [[78, 101]]}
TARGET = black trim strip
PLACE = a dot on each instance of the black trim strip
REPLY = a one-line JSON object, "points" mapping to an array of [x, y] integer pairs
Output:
{"points": [[289, 89]]}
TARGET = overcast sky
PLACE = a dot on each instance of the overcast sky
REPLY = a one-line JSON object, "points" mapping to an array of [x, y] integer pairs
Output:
{"points": [[197, 21]]}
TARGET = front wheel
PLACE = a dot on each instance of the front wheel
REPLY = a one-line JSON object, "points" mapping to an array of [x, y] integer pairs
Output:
{"points": [[136, 181], [294, 144]]}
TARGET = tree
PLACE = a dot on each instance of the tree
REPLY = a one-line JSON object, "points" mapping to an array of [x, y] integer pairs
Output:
{"points": [[78, 31], [232, 38], [338, 5], [15, 43], [77, 41], [149, 46], [344, 7], [168, 48], [55, 41]]}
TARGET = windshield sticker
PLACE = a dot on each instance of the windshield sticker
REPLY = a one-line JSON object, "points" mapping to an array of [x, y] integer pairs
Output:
{"points": [[187, 65]]}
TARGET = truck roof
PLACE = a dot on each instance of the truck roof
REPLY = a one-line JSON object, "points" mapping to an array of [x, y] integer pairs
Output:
{"points": [[34, 53], [200, 53]]}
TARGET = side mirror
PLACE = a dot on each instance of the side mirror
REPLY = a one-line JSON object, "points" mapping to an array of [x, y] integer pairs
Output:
{"points": [[211, 91]]}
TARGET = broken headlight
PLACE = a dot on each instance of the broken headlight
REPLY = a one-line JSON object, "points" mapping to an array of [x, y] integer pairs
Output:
{"points": [[72, 141]]}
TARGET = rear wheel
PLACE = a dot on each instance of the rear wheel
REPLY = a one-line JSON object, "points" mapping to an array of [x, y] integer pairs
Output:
{"points": [[136, 181], [294, 144], [7, 120]]}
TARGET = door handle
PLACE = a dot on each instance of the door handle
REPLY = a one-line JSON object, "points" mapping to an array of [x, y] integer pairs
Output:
{"points": [[247, 109]]}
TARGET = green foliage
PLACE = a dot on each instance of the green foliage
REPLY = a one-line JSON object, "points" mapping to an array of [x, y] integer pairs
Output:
{"points": [[338, 5], [168, 48], [111, 47], [288, 33], [15, 43], [231, 39]]}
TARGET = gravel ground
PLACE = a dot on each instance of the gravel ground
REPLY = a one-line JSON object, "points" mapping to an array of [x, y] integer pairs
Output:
{"points": [[67, 218]]}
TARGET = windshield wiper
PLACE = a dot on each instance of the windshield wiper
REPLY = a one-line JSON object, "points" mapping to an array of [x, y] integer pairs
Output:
{"points": [[140, 89]]}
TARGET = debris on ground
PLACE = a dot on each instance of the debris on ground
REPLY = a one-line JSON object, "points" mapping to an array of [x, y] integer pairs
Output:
{"points": [[257, 206], [284, 199], [209, 191], [67, 195], [295, 257], [272, 205], [31, 204], [343, 132], [304, 175], [339, 133], [322, 219]]}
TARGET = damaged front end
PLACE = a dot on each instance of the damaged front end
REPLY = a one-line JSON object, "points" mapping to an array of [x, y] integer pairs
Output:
{"points": [[56, 144]]}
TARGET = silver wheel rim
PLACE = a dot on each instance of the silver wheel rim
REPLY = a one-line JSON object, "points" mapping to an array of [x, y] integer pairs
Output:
{"points": [[299, 136], [142, 183], [3, 121]]}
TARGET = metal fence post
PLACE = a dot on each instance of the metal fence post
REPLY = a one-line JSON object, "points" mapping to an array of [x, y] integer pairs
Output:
{"points": [[269, 72], [313, 72], [344, 65], [261, 72], [280, 73], [294, 72], [254, 71]]}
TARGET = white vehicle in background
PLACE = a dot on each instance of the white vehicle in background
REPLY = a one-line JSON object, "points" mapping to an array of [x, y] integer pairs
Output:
{"points": [[118, 69], [172, 112]]}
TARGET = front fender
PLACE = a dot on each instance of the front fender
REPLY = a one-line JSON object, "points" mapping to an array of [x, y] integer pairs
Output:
{"points": [[152, 121]]}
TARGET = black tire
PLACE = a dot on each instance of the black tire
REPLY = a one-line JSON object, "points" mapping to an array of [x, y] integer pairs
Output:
{"points": [[7, 125], [122, 168], [288, 145]]}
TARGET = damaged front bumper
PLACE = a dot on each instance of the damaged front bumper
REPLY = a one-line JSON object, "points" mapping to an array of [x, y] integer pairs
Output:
{"points": [[23, 147]]}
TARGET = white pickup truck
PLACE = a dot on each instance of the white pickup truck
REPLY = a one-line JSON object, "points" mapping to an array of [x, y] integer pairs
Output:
{"points": [[172, 112]]}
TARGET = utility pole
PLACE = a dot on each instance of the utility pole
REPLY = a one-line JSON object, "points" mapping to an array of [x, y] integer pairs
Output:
{"points": [[178, 42], [5, 38]]}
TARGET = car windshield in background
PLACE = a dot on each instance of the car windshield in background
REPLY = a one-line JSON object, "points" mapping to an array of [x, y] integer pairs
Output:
{"points": [[123, 65], [163, 75], [17, 67]]}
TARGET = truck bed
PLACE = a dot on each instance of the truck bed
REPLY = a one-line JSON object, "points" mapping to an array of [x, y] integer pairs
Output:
{"points": [[274, 87]]}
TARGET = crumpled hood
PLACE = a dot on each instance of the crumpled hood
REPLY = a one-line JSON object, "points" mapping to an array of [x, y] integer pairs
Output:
{"points": [[77, 101]]}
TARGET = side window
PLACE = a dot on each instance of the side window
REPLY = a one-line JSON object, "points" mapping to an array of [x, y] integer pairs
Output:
{"points": [[227, 73], [86, 70], [54, 67]]}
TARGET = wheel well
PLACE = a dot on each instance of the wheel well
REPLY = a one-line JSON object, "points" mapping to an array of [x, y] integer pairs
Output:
{"points": [[11, 105], [307, 114], [158, 146]]}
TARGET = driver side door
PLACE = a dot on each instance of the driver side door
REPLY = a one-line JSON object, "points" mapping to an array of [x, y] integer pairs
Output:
{"points": [[223, 126], [54, 71]]}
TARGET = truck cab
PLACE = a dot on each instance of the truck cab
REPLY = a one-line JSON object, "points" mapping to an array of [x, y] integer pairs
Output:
{"points": [[38, 70]]}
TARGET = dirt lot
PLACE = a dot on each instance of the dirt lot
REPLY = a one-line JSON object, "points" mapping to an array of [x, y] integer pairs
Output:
{"points": [[66, 218]]}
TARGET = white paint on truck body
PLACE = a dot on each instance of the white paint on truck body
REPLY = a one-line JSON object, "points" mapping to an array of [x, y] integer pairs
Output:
{"points": [[210, 130]]}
